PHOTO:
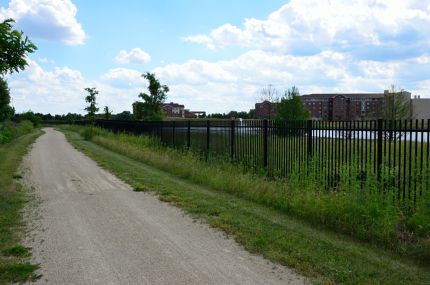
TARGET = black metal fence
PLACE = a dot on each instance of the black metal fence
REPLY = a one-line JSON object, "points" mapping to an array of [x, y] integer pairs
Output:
{"points": [[394, 153]]}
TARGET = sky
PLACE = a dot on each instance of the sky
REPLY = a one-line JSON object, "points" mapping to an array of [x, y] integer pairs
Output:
{"points": [[216, 55]]}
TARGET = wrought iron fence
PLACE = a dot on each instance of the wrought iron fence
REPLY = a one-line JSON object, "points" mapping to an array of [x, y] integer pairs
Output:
{"points": [[395, 153]]}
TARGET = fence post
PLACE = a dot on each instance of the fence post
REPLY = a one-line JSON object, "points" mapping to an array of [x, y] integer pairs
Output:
{"points": [[232, 125], [208, 132], [161, 131], [189, 135], [173, 133], [379, 158], [265, 147], [309, 130]]}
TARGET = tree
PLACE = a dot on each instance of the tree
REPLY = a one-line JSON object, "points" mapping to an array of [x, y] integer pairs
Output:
{"points": [[92, 107], [124, 116], [269, 97], [6, 111], [30, 116], [107, 112], [14, 48], [398, 104], [138, 110], [291, 107], [152, 102]]}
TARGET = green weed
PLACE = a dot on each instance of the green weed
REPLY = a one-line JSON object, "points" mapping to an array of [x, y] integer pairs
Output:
{"points": [[18, 272], [13, 257], [17, 251]]}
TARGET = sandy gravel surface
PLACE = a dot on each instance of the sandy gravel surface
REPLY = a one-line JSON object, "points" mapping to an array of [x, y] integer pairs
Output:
{"points": [[90, 228]]}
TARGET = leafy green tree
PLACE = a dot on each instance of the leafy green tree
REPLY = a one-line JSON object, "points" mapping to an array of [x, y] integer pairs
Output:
{"points": [[6, 111], [124, 116], [30, 116], [152, 102], [107, 112], [138, 110], [218, 116], [14, 48], [92, 107], [291, 108], [71, 117]]}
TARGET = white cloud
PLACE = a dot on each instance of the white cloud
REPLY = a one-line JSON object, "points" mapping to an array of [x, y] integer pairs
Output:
{"points": [[136, 56], [235, 84], [311, 26], [47, 19], [123, 78], [200, 39], [61, 90], [217, 86], [58, 91]]}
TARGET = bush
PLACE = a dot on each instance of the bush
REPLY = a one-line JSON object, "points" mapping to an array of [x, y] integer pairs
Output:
{"points": [[30, 116], [10, 130], [24, 127], [89, 132], [7, 132]]}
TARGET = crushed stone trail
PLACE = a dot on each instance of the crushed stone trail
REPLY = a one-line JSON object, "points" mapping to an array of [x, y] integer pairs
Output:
{"points": [[91, 228]]}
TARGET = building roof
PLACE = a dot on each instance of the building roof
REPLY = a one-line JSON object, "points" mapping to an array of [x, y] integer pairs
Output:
{"points": [[350, 95], [171, 104]]}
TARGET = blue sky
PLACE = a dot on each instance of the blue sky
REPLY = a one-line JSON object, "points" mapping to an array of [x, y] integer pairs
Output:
{"points": [[154, 26], [216, 55]]}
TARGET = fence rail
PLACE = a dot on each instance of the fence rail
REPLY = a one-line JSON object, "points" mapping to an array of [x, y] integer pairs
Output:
{"points": [[395, 153]]}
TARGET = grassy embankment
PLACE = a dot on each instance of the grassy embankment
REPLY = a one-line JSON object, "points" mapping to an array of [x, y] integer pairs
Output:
{"points": [[405, 164], [286, 221], [14, 265]]}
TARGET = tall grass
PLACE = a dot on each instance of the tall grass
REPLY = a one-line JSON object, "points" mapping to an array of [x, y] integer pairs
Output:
{"points": [[14, 261], [356, 208], [10, 130]]}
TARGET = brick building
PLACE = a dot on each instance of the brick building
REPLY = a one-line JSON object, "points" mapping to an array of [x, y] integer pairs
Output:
{"points": [[337, 106], [348, 106], [345, 106], [265, 110], [173, 110]]}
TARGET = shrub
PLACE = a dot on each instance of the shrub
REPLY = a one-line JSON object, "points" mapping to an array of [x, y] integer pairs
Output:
{"points": [[30, 116], [10, 130], [24, 127], [89, 133], [7, 132]]}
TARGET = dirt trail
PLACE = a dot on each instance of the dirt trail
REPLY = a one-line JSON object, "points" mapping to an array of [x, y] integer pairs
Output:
{"points": [[93, 229]]}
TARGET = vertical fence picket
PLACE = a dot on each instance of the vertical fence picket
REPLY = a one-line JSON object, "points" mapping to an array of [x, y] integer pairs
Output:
{"points": [[265, 146], [379, 148], [232, 133], [208, 136]]}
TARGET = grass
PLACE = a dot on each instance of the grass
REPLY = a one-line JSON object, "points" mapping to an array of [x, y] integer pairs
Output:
{"points": [[312, 250], [14, 266], [17, 251]]}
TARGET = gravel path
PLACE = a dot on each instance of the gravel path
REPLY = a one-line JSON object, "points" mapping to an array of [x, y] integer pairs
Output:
{"points": [[90, 228]]}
